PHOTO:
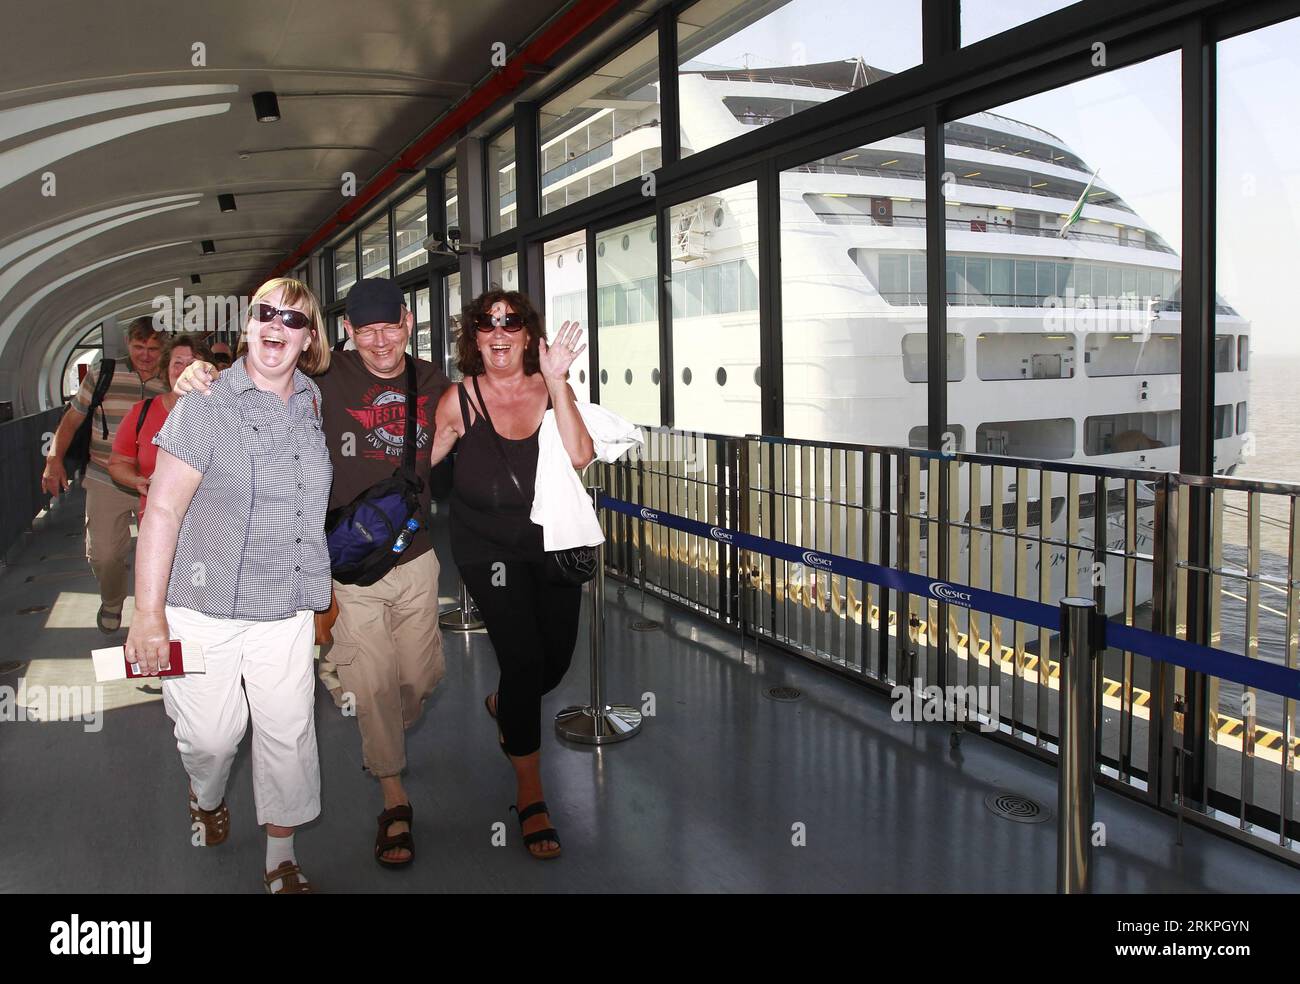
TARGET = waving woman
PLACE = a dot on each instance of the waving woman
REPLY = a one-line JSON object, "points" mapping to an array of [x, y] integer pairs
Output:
{"points": [[512, 377]]}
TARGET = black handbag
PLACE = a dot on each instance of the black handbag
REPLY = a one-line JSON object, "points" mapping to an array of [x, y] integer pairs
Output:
{"points": [[573, 565]]}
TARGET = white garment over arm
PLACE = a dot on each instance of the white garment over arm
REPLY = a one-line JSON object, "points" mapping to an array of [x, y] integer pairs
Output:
{"points": [[561, 505]]}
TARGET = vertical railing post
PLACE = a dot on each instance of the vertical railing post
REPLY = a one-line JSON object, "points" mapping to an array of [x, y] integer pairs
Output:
{"points": [[598, 723], [464, 618], [1076, 720]]}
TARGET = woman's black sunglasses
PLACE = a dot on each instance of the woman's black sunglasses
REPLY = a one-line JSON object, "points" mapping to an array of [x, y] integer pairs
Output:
{"points": [[510, 322], [288, 316]]}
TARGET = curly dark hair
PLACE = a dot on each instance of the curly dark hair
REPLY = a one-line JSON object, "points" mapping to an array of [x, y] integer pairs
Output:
{"points": [[468, 359]]}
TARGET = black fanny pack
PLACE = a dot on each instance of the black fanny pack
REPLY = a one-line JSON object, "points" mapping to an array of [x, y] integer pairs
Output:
{"points": [[574, 565], [368, 536]]}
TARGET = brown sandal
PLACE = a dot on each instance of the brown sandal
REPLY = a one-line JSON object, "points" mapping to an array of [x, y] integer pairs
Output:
{"points": [[403, 841], [216, 823], [292, 880]]}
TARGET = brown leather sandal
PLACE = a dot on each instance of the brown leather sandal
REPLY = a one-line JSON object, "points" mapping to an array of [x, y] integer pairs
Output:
{"points": [[216, 823], [292, 880], [403, 841]]}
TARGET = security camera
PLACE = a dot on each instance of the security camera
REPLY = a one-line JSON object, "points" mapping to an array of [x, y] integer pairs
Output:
{"points": [[451, 246]]}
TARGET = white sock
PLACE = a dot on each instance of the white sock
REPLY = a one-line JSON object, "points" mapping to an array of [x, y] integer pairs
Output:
{"points": [[278, 850]]}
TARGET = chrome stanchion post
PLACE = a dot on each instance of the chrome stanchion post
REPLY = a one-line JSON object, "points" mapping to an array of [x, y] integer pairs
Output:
{"points": [[1076, 790], [598, 723], [462, 619]]}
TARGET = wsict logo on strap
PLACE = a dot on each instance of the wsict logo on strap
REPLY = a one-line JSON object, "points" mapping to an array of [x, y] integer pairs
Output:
{"points": [[720, 534], [650, 514], [946, 592], [817, 560]]}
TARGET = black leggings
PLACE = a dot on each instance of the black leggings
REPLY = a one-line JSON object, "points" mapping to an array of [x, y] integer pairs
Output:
{"points": [[533, 625]]}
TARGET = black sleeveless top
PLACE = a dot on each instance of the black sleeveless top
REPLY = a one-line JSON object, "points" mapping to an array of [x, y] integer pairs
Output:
{"points": [[489, 518]]}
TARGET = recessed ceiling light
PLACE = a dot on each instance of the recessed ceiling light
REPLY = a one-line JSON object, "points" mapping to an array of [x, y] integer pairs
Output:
{"points": [[227, 202], [194, 278], [266, 106], [209, 246]]}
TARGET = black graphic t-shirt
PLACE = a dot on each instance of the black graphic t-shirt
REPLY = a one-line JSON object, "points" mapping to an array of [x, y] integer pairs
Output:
{"points": [[365, 418]]}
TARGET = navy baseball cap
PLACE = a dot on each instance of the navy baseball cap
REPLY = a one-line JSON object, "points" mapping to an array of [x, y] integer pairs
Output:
{"points": [[375, 301]]}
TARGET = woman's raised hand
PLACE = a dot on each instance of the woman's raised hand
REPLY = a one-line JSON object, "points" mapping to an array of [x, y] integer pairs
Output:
{"points": [[556, 357]]}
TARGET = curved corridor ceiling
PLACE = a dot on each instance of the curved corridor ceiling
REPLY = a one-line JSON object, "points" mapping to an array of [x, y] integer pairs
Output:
{"points": [[121, 124]]}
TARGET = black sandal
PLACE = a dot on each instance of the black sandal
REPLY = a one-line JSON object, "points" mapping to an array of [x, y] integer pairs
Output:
{"points": [[487, 704], [545, 834], [383, 842]]}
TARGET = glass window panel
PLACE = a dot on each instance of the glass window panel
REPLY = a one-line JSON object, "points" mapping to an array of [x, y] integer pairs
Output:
{"points": [[374, 249], [452, 308], [501, 183], [423, 325], [564, 265], [627, 345], [610, 117], [847, 306], [451, 206], [410, 219], [345, 268], [1047, 148], [503, 273], [717, 343], [982, 19], [743, 64]]}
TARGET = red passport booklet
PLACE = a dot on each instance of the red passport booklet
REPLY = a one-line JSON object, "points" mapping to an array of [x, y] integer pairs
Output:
{"points": [[112, 664]]}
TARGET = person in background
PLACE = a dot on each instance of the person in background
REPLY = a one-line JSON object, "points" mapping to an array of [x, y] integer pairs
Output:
{"points": [[221, 360], [109, 505], [387, 650], [222, 348], [233, 558], [512, 377], [134, 453]]}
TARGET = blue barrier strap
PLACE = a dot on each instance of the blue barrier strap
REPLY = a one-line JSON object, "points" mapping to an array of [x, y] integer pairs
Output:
{"points": [[1203, 659]]}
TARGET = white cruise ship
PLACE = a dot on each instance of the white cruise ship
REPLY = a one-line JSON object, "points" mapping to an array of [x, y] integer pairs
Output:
{"points": [[1059, 347]]}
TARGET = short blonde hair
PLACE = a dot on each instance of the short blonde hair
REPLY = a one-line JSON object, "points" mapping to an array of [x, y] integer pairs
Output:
{"points": [[316, 358]]}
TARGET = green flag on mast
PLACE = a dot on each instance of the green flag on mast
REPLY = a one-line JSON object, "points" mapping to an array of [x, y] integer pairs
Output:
{"points": [[1073, 217]]}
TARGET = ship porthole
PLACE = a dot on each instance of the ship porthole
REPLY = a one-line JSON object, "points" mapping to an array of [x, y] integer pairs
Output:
{"points": [[717, 217], [600, 249], [721, 376], [627, 241], [758, 378], [559, 260], [604, 377], [627, 377], [686, 377], [654, 376], [582, 375]]}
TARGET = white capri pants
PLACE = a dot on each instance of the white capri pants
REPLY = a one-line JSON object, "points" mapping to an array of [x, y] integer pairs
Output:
{"points": [[275, 662]]}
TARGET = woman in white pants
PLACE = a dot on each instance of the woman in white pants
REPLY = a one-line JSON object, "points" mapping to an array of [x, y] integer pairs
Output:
{"points": [[232, 557]]}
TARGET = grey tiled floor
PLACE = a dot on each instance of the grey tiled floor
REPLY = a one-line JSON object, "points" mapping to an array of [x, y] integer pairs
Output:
{"points": [[705, 799]]}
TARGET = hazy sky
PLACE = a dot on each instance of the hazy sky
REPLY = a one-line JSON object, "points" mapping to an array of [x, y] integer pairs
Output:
{"points": [[1125, 122]]}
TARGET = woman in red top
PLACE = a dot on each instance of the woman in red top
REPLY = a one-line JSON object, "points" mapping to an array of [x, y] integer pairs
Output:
{"points": [[134, 453]]}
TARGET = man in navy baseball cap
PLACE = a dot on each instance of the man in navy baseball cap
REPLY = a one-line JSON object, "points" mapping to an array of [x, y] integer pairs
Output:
{"points": [[379, 324]]}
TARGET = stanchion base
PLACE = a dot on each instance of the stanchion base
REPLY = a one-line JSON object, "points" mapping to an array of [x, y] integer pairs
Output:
{"points": [[646, 625], [453, 621], [587, 726]]}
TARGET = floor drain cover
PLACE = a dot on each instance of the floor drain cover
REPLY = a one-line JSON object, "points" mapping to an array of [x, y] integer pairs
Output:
{"points": [[33, 609], [784, 693], [1021, 809]]}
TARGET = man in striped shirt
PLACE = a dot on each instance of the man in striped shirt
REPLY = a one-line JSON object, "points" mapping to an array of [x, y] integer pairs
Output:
{"points": [[109, 506]]}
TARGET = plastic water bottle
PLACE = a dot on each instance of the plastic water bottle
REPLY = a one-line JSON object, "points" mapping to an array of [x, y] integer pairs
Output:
{"points": [[404, 538]]}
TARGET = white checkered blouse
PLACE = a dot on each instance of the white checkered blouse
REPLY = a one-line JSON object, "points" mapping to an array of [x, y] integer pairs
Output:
{"points": [[252, 543]]}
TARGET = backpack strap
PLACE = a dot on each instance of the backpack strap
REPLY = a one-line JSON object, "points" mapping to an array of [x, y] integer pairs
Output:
{"points": [[106, 367], [409, 435], [144, 412]]}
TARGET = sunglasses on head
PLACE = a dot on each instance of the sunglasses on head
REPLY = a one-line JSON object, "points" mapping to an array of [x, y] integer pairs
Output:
{"points": [[288, 316], [510, 322]]}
